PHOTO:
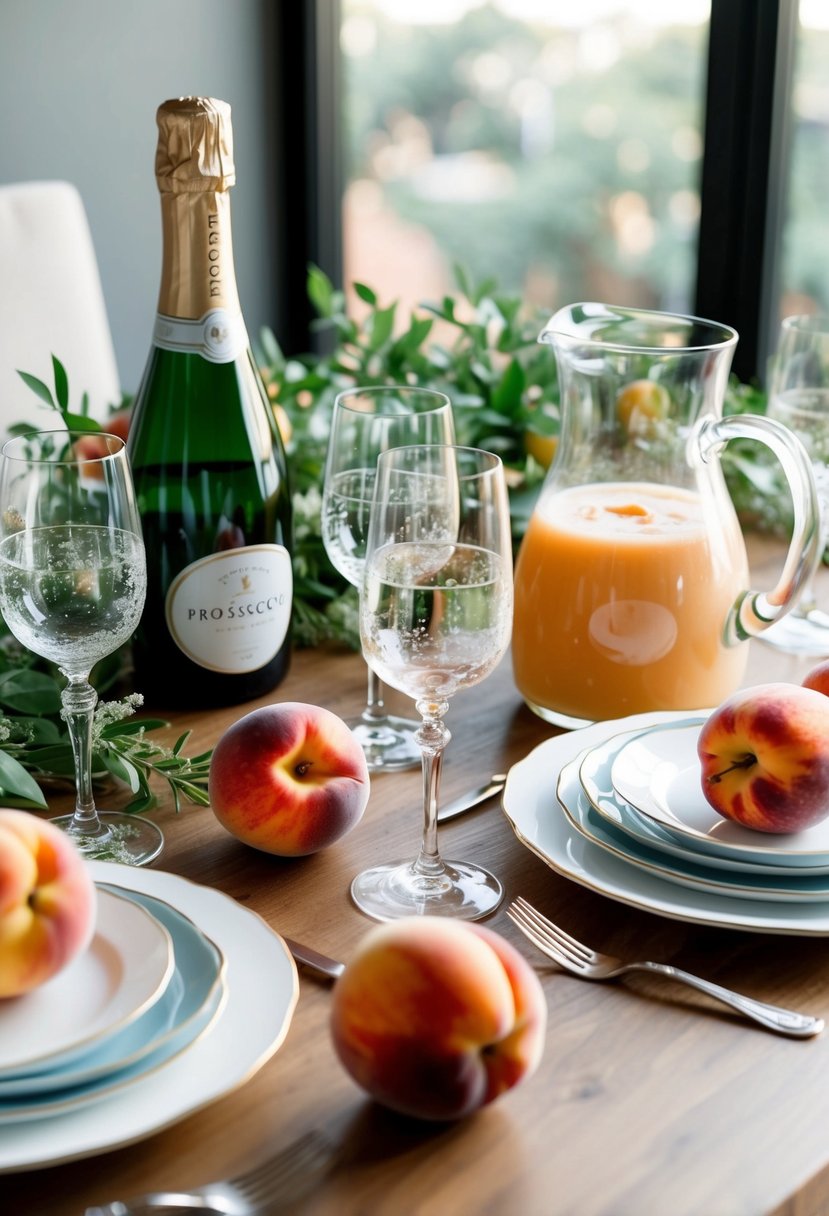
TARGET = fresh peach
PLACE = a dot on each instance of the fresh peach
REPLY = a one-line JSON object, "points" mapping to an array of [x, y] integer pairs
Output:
{"points": [[288, 779], [47, 902], [640, 404], [435, 1017], [765, 758], [818, 678]]}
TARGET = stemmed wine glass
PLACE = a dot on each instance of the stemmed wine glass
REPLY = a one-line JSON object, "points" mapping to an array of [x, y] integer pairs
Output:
{"points": [[798, 396], [73, 578], [435, 617], [366, 422]]}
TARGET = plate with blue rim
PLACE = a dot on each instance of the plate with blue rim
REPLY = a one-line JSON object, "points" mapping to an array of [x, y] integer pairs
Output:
{"points": [[657, 772], [530, 805], [123, 972], [596, 778], [195, 986], [695, 874]]}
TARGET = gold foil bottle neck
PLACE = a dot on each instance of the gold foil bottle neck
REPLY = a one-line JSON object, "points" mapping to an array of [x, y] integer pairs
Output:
{"points": [[195, 146]]}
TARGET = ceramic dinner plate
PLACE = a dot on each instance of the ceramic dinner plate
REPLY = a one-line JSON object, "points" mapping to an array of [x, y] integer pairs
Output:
{"points": [[658, 773], [262, 988], [530, 804], [195, 988], [685, 871], [123, 972], [595, 775]]}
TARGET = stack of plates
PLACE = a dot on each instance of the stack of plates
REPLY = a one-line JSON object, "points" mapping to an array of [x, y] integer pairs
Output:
{"points": [[180, 997], [619, 807]]}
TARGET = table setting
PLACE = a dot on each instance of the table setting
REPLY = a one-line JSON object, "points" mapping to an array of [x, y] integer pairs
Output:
{"points": [[179, 1056]]}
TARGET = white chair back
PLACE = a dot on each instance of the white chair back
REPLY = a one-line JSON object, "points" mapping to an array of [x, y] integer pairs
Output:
{"points": [[51, 302]]}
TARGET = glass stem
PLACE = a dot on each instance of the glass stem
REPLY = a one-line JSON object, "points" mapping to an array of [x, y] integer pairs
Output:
{"points": [[79, 700], [375, 705], [432, 737]]}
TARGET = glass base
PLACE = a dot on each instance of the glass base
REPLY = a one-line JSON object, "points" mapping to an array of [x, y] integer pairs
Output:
{"points": [[388, 743], [799, 634], [395, 890], [557, 719], [128, 839]]}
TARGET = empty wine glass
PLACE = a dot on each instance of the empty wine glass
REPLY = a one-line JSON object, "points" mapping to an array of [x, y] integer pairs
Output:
{"points": [[799, 397], [366, 422], [435, 617], [73, 578]]}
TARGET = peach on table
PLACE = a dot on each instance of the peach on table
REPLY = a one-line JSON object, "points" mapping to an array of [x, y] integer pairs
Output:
{"points": [[621, 595], [288, 779], [436, 1017]]}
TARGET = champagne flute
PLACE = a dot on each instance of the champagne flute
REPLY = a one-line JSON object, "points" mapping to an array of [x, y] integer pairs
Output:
{"points": [[366, 422], [799, 397], [73, 579], [435, 617]]}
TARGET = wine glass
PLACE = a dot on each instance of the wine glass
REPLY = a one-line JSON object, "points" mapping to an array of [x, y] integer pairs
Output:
{"points": [[799, 397], [366, 422], [435, 617], [73, 579]]}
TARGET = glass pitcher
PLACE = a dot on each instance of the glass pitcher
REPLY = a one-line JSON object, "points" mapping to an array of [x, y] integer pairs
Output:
{"points": [[631, 586]]}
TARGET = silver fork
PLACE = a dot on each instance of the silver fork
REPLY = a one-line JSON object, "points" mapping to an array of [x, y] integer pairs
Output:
{"points": [[573, 956], [268, 1187]]}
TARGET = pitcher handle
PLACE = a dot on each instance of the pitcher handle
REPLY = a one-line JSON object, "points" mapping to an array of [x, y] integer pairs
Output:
{"points": [[754, 611]]}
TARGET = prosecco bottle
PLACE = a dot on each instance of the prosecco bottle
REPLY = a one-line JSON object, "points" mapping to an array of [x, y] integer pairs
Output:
{"points": [[206, 454]]}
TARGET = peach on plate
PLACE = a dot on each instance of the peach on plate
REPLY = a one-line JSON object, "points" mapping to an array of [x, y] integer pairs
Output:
{"points": [[47, 902], [288, 779], [764, 755], [435, 1018]]}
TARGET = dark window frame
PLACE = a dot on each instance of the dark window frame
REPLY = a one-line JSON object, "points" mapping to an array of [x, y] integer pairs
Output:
{"points": [[743, 183]]}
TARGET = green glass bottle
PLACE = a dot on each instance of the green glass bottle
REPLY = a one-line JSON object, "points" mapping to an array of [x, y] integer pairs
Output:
{"points": [[207, 458]]}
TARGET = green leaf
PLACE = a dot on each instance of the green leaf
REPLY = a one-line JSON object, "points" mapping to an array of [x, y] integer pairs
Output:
{"points": [[61, 384], [29, 691], [365, 293], [381, 324], [122, 768], [506, 397], [16, 784], [80, 422], [320, 291], [38, 388]]}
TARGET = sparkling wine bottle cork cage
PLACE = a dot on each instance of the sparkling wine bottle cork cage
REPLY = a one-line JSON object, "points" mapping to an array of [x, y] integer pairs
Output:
{"points": [[632, 587]]}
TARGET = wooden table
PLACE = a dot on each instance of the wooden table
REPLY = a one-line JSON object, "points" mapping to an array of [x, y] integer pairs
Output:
{"points": [[649, 1100]]}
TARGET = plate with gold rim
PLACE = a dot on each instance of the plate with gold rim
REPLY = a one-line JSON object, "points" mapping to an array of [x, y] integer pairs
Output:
{"points": [[124, 970], [530, 805], [686, 871], [595, 776], [262, 992], [657, 772], [194, 988]]}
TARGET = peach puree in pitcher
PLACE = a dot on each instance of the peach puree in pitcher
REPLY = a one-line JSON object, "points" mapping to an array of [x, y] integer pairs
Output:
{"points": [[621, 594]]}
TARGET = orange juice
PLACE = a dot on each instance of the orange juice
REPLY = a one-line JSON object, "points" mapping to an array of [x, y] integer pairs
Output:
{"points": [[621, 596]]}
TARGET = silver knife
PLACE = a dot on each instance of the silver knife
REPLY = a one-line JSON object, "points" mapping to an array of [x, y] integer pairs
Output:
{"points": [[467, 801]]}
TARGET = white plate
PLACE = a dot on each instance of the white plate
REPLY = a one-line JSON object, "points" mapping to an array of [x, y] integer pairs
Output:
{"points": [[196, 985], [262, 994], [530, 805], [595, 776], [658, 773], [126, 968], [694, 874]]}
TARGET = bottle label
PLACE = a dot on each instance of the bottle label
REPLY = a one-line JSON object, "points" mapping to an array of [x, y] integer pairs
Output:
{"points": [[230, 612], [219, 336]]}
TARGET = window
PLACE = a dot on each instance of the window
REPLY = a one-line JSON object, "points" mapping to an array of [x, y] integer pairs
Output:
{"points": [[554, 147]]}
